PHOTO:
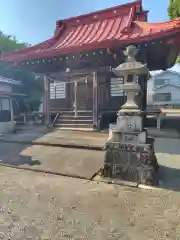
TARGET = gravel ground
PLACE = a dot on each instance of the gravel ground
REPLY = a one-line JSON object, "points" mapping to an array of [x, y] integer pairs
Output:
{"points": [[40, 206]]}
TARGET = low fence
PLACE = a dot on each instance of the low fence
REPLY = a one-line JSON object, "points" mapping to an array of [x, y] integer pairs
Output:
{"points": [[156, 118], [164, 118], [167, 118], [32, 117]]}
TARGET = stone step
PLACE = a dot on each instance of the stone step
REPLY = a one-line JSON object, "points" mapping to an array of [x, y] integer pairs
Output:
{"points": [[60, 120], [79, 118], [73, 125], [79, 113]]}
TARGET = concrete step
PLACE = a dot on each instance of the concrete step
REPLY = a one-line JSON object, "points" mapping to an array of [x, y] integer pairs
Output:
{"points": [[73, 125], [74, 121], [79, 118], [75, 129], [79, 113]]}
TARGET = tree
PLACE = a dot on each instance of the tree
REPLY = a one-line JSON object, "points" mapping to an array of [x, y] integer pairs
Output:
{"points": [[174, 12], [32, 87], [9, 43], [174, 9]]}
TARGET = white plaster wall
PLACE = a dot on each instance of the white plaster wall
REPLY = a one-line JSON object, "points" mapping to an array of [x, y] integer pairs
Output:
{"points": [[5, 88], [7, 127], [175, 94], [150, 92], [169, 77]]}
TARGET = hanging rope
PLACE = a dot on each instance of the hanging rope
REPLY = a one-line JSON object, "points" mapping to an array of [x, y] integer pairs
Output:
{"points": [[79, 80]]}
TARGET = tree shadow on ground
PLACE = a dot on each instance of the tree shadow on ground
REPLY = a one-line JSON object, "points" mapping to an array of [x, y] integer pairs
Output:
{"points": [[22, 160], [167, 146], [168, 155], [10, 154], [26, 134], [169, 178]]}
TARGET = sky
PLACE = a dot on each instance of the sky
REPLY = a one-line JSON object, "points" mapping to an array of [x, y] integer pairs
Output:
{"points": [[33, 21]]}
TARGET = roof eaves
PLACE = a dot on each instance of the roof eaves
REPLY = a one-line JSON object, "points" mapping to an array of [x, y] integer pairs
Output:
{"points": [[166, 84]]}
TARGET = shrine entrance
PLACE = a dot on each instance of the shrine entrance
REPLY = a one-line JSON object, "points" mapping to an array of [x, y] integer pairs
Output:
{"points": [[81, 94], [85, 95]]}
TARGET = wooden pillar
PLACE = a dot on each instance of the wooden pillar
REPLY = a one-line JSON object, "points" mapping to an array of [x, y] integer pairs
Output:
{"points": [[46, 101], [95, 101], [11, 108], [75, 98], [144, 103], [143, 95]]}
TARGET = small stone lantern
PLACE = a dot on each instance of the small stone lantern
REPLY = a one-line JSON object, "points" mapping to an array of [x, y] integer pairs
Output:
{"points": [[129, 151], [130, 70]]}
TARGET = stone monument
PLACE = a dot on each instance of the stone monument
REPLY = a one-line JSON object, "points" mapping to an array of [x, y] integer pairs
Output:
{"points": [[129, 151]]}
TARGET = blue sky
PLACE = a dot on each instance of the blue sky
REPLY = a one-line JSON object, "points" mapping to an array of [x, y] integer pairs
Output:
{"points": [[33, 21]]}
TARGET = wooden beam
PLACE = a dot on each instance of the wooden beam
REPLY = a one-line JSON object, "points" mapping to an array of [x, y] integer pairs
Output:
{"points": [[46, 101], [81, 72], [95, 101], [143, 95], [75, 98]]}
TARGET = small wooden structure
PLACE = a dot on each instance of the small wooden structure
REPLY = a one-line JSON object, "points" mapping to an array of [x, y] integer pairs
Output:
{"points": [[9, 91], [77, 61]]}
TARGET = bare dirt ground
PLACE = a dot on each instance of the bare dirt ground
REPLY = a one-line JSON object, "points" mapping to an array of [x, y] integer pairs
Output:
{"points": [[39, 206]]}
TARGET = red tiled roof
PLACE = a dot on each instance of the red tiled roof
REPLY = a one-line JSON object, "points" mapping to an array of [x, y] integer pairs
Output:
{"points": [[116, 26]]}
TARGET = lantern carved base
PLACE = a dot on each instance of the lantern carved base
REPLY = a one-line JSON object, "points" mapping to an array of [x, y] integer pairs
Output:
{"points": [[134, 162]]}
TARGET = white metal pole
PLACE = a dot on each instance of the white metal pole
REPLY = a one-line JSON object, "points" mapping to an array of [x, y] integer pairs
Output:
{"points": [[159, 122]]}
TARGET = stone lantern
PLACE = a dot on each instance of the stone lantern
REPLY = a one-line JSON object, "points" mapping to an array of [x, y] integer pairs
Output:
{"points": [[129, 151]]}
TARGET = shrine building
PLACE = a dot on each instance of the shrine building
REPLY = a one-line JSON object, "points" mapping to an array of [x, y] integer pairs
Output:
{"points": [[76, 62]]}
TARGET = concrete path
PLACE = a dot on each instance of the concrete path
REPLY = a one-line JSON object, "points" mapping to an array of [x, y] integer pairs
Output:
{"points": [[85, 163], [57, 137], [73, 139], [46, 207], [64, 161], [79, 162], [168, 154]]}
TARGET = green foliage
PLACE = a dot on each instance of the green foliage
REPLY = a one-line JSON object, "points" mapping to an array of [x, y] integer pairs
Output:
{"points": [[178, 59], [174, 9], [31, 86], [10, 43], [174, 12]]}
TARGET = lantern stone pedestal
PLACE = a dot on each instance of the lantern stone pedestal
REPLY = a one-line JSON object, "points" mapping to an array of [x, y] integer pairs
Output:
{"points": [[130, 152]]}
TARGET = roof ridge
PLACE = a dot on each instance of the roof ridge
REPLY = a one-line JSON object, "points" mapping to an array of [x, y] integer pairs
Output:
{"points": [[136, 3]]}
